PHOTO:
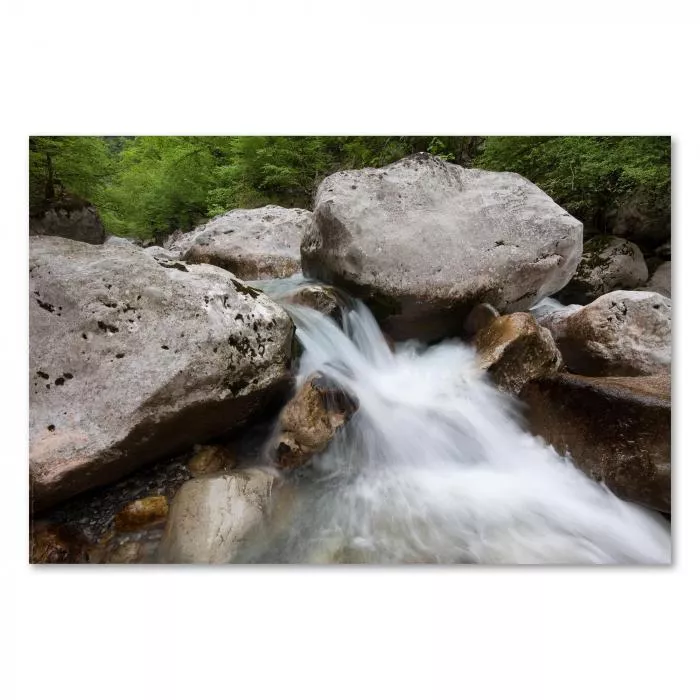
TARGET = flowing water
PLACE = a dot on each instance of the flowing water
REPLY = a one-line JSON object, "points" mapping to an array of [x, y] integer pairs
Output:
{"points": [[436, 467]]}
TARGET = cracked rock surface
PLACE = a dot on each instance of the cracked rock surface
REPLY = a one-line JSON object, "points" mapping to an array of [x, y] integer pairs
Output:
{"points": [[423, 241], [133, 358]]}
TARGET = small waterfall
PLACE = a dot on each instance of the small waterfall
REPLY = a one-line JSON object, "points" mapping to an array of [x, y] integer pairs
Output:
{"points": [[436, 467]]}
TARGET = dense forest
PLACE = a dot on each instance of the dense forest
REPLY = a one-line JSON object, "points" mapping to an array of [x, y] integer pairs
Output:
{"points": [[149, 186]]}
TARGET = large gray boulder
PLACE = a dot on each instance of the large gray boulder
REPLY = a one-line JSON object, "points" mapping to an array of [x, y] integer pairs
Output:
{"points": [[133, 358], [619, 334], [424, 241], [252, 243], [69, 217], [608, 264], [212, 518]]}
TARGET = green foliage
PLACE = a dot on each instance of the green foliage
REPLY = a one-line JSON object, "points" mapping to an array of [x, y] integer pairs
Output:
{"points": [[590, 176], [80, 165], [148, 186]]}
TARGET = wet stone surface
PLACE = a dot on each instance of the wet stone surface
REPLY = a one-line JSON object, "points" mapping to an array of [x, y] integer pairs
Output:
{"points": [[85, 529]]}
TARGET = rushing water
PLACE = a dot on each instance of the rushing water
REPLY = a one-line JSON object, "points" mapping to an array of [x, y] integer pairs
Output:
{"points": [[435, 467]]}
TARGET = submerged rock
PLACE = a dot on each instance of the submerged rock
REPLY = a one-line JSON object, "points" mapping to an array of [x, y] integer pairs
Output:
{"points": [[617, 430], [56, 544], [423, 241], [252, 243], [212, 518], [619, 334], [132, 359], [141, 513], [211, 459], [310, 421], [608, 264], [319, 297], [69, 217], [514, 349]]}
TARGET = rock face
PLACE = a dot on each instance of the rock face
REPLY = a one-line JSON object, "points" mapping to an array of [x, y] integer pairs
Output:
{"points": [[310, 420], [619, 334], [133, 358], [69, 217], [423, 241], [514, 349], [617, 429], [608, 264], [252, 243], [212, 518], [660, 281]]}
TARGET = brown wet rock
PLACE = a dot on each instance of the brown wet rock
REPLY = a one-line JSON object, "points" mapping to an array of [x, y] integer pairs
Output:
{"points": [[211, 459], [56, 544], [617, 429], [310, 420], [142, 513], [514, 349]]}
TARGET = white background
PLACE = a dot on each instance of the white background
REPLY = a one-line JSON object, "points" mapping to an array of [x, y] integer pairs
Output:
{"points": [[345, 68]]}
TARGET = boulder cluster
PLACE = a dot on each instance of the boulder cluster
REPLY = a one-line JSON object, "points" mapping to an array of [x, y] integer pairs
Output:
{"points": [[142, 354]]}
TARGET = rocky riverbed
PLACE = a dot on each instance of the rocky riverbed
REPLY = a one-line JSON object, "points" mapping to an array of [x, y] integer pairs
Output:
{"points": [[184, 410]]}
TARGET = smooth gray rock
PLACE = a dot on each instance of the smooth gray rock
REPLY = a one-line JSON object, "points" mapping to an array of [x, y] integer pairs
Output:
{"points": [[211, 519], [660, 281], [608, 264], [619, 334], [252, 243], [133, 358], [423, 241]]}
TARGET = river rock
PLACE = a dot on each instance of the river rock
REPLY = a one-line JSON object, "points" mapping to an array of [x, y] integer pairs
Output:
{"points": [[660, 281], [211, 518], [479, 317], [141, 513], [514, 349], [53, 543], [252, 243], [319, 297], [132, 359], [619, 334], [608, 264], [423, 241], [310, 420], [617, 430], [69, 217], [210, 459]]}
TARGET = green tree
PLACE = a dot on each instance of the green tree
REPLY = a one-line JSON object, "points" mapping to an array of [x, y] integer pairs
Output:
{"points": [[590, 176], [79, 165]]}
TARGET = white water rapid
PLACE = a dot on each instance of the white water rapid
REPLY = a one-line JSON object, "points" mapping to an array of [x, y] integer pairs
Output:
{"points": [[435, 467]]}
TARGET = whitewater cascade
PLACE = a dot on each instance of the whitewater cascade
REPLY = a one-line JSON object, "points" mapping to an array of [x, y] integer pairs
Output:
{"points": [[436, 467]]}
